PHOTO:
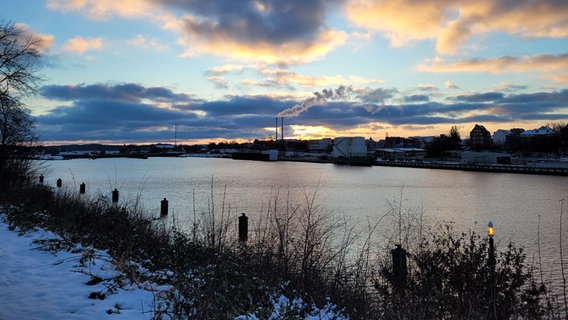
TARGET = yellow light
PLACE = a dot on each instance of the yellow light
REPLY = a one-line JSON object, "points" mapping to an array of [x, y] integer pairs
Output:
{"points": [[490, 229]]}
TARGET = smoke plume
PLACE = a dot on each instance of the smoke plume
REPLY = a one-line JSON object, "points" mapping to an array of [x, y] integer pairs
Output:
{"points": [[320, 98]]}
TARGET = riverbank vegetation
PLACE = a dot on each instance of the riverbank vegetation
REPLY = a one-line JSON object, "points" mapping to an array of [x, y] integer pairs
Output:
{"points": [[296, 250]]}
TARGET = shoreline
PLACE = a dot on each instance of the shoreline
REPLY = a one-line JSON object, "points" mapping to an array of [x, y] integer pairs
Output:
{"points": [[493, 168]]}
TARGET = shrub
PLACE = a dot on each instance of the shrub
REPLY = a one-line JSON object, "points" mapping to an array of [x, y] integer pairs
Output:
{"points": [[450, 278]]}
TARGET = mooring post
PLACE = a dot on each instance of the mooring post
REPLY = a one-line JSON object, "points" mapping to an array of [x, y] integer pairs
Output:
{"points": [[59, 183], [115, 197], [243, 228], [164, 207], [399, 269], [82, 187], [41, 179]]}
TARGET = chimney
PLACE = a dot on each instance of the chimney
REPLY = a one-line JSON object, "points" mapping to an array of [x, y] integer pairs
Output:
{"points": [[282, 130]]}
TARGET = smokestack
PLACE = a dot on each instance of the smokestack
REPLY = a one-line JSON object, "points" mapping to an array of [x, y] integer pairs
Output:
{"points": [[282, 130], [276, 139]]}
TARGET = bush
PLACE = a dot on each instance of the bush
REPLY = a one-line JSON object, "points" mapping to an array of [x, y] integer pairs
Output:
{"points": [[450, 277]]}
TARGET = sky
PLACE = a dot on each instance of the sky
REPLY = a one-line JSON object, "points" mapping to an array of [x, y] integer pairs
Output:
{"points": [[188, 71], [51, 284]]}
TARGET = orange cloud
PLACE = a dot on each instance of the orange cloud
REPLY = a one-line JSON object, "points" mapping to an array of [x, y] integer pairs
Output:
{"points": [[104, 9], [281, 76], [226, 69], [143, 42], [81, 45], [550, 63], [427, 87], [450, 85], [560, 78], [289, 52], [44, 41], [401, 21], [451, 23]]}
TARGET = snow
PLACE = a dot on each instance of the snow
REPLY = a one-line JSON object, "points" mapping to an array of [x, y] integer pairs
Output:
{"points": [[38, 284], [44, 277]]}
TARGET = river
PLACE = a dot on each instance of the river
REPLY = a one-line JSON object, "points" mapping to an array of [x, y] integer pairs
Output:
{"points": [[522, 207]]}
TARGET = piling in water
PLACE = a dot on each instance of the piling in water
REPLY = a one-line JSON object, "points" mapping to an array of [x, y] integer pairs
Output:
{"points": [[164, 207], [115, 196], [243, 228]]}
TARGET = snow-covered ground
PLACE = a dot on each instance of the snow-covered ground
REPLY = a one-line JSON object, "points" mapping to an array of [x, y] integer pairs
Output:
{"points": [[39, 284], [36, 283]]}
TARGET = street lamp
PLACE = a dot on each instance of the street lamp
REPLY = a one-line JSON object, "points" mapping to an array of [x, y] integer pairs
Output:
{"points": [[491, 233], [491, 262]]}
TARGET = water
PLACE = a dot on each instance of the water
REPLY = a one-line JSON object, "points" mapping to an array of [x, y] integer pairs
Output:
{"points": [[517, 204]]}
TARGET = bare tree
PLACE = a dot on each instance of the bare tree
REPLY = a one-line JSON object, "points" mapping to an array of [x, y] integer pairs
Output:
{"points": [[20, 53]]}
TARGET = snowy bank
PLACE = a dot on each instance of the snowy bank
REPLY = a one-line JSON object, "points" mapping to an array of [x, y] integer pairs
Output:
{"points": [[44, 277], [61, 284]]}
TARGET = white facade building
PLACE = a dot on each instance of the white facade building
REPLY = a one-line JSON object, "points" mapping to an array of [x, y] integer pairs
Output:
{"points": [[500, 136], [347, 146]]}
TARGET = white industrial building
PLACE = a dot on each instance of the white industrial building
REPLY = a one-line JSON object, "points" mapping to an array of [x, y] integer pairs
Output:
{"points": [[345, 147]]}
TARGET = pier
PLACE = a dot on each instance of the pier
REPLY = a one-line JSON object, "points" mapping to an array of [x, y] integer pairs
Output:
{"points": [[526, 169]]}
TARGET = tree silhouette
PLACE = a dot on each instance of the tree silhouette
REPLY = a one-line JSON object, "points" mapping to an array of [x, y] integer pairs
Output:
{"points": [[20, 53]]}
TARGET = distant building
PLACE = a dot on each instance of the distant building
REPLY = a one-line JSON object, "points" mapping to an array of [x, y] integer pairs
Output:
{"points": [[77, 153], [485, 157], [543, 139], [542, 131], [324, 144], [480, 138], [346, 147], [517, 131], [500, 136], [164, 146]]}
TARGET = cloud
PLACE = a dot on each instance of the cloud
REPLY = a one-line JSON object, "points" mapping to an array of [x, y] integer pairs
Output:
{"points": [[143, 42], [450, 85], [200, 40], [228, 68], [416, 98], [505, 64], [219, 81], [507, 86], [130, 112], [277, 32], [427, 87], [81, 45], [559, 78], [452, 23], [105, 9], [286, 77], [483, 97], [127, 92], [43, 41]]}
